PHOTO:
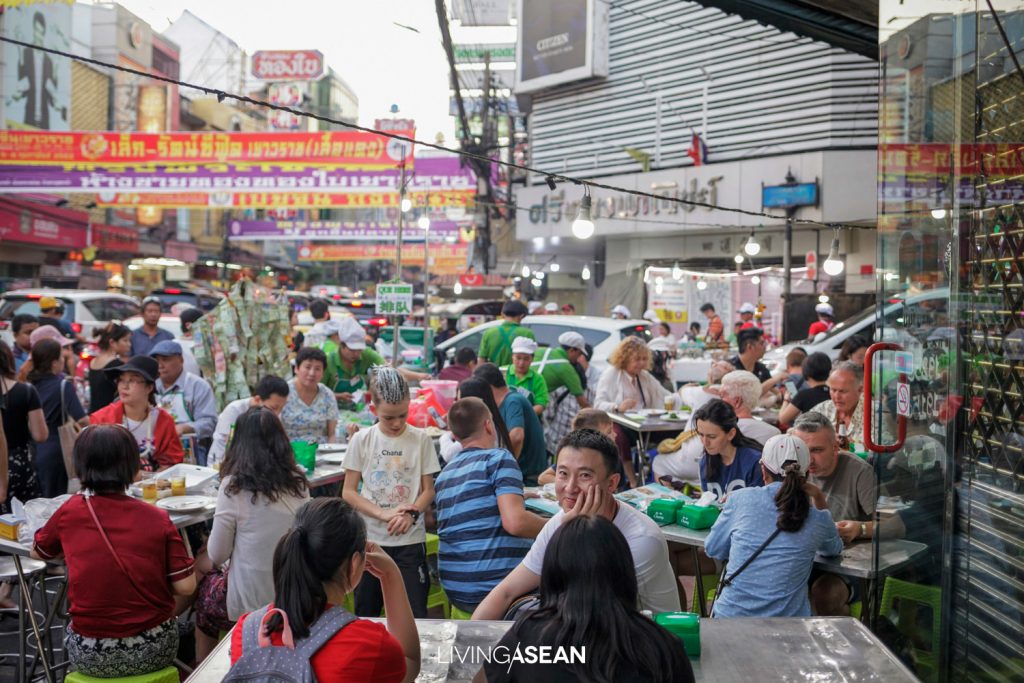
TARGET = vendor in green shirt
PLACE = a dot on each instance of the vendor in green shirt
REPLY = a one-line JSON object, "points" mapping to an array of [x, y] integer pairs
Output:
{"points": [[557, 366], [496, 345], [522, 378], [348, 363]]}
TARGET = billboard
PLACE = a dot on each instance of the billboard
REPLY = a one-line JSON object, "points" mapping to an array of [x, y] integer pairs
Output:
{"points": [[482, 12], [560, 41], [288, 65], [37, 85]]}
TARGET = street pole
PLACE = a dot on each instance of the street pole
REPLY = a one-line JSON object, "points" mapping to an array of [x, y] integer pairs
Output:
{"points": [[426, 289], [787, 268], [398, 260]]}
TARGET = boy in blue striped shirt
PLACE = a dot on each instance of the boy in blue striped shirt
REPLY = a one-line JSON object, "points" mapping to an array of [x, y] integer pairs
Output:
{"points": [[484, 528]]}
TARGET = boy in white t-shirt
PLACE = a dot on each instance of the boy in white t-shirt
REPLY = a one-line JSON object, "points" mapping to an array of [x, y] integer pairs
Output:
{"points": [[395, 464], [585, 481]]}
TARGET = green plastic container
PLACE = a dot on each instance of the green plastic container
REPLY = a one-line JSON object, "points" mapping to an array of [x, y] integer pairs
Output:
{"points": [[664, 510], [696, 517], [305, 454], [685, 626]]}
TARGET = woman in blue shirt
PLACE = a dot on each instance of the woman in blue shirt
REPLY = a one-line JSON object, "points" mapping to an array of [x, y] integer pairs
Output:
{"points": [[730, 460], [779, 520]]}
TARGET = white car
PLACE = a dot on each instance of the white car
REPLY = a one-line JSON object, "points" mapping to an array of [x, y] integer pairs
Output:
{"points": [[604, 334], [84, 309]]}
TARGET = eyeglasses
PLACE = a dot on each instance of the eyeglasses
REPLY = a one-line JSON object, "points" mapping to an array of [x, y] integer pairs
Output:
{"points": [[129, 381]]}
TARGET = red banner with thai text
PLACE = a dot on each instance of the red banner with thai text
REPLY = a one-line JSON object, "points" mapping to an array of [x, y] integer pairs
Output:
{"points": [[295, 200]]}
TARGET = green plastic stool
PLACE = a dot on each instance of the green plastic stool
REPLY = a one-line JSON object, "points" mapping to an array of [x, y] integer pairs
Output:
{"points": [[460, 615], [168, 675], [437, 598], [710, 586], [912, 597], [433, 544]]}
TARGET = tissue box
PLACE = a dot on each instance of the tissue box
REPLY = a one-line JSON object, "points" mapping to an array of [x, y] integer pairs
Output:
{"points": [[696, 517], [9, 527], [685, 626], [664, 510]]}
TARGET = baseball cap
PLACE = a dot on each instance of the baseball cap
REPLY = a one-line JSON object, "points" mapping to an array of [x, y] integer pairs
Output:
{"points": [[651, 315], [166, 348], [659, 344], [622, 310], [823, 308], [551, 307], [748, 308], [144, 365], [513, 308], [352, 335], [784, 448], [524, 345], [330, 327], [48, 302], [152, 300], [48, 332], [533, 306], [574, 340], [568, 308]]}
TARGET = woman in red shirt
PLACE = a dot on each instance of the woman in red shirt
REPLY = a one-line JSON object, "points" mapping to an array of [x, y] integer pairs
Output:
{"points": [[125, 562], [159, 445], [316, 564]]}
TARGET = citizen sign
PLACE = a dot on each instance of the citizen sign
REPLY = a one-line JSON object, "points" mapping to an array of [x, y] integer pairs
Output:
{"points": [[288, 65]]}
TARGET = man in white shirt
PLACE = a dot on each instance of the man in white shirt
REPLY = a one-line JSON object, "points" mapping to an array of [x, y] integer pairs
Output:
{"points": [[585, 481], [742, 390], [271, 393]]}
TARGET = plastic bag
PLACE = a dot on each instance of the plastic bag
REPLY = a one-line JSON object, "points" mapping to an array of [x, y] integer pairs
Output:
{"points": [[37, 513]]}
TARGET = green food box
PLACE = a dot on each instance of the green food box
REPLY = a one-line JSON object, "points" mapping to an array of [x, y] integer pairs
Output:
{"points": [[683, 625], [664, 510], [696, 517]]}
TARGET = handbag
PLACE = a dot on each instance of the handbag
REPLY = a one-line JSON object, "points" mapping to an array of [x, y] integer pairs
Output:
{"points": [[68, 432]]}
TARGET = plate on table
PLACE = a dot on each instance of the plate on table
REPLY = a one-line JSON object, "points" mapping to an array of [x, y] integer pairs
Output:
{"points": [[180, 504], [676, 417], [332, 448], [336, 458], [651, 412]]}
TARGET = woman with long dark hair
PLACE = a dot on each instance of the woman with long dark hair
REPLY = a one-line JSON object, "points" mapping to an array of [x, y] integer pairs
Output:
{"points": [[854, 349], [770, 536], [478, 388], [59, 401], [115, 342], [261, 489], [316, 564], [730, 459], [24, 423], [588, 598]]}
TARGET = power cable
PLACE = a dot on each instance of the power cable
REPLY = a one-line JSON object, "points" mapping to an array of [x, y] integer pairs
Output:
{"points": [[550, 175]]}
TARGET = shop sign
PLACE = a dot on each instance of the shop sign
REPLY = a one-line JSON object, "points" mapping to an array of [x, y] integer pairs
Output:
{"points": [[182, 251], [114, 238], [292, 230], [394, 298], [51, 226], [789, 195], [437, 199], [445, 259], [288, 65], [560, 42]]}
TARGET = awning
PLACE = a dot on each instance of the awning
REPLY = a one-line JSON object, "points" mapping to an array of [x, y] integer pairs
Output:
{"points": [[51, 227]]}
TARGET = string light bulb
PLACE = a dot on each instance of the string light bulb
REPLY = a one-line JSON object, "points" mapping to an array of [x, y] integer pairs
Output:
{"points": [[756, 280], [701, 285], [752, 247], [833, 265], [823, 299], [585, 274], [583, 226], [424, 223], [677, 272], [938, 214], [554, 267], [406, 205], [525, 271], [457, 288], [738, 258]]}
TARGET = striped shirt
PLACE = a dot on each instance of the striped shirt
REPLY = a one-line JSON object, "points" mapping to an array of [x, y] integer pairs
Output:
{"points": [[476, 552]]}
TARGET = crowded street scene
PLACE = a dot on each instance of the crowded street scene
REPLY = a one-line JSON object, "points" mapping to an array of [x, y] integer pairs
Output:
{"points": [[511, 341]]}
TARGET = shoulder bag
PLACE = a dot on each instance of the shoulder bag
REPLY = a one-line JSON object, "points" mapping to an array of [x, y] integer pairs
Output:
{"points": [[68, 432], [727, 580]]}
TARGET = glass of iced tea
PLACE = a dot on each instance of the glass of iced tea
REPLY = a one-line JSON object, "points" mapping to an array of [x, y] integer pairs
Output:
{"points": [[149, 490], [177, 486]]}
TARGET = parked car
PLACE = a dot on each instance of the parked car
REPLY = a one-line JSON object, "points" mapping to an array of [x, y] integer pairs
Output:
{"points": [[603, 334], [197, 297], [84, 309]]}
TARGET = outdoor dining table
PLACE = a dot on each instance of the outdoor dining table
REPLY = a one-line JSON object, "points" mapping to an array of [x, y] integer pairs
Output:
{"points": [[742, 650], [645, 427]]}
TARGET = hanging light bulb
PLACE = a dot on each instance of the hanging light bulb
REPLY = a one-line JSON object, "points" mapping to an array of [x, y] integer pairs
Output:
{"points": [[536, 283], [457, 288], [938, 214], [539, 274], [752, 247], [659, 280], [525, 271], [701, 285], [738, 258], [424, 223], [658, 288], [555, 240], [833, 265], [756, 280], [406, 205], [585, 273], [554, 267], [583, 226], [823, 299], [538, 242], [677, 272]]}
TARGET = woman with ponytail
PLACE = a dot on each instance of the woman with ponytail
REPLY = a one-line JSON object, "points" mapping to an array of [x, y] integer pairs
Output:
{"points": [[770, 535], [316, 564]]}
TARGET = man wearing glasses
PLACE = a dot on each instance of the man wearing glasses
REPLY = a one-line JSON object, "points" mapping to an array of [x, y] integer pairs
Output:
{"points": [[150, 334]]}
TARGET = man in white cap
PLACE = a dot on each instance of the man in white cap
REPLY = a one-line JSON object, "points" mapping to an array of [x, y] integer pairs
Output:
{"points": [[775, 582], [551, 308], [651, 316], [620, 312], [557, 366], [522, 378], [535, 308], [747, 312], [824, 323], [348, 361]]}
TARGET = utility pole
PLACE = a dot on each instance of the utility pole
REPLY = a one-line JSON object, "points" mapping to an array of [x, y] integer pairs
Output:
{"points": [[396, 321], [787, 260]]}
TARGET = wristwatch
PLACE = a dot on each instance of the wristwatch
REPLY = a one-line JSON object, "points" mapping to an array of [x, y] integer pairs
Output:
{"points": [[415, 514], [863, 530]]}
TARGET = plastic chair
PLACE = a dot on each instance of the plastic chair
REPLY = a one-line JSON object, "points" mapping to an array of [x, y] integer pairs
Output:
{"points": [[710, 590], [168, 675], [458, 614], [437, 598], [912, 597], [433, 544]]}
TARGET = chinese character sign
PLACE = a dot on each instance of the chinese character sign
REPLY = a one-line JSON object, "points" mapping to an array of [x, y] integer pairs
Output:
{"points": [[394, 298]]}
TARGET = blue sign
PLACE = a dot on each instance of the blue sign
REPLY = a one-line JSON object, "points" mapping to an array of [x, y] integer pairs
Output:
{"points": [[788, 196]]}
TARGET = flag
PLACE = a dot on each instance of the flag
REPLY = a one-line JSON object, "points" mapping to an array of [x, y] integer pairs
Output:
{"points": [[641, 157], [698, 150]]}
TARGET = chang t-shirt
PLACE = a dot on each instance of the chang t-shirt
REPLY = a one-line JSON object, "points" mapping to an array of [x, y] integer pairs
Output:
{"points": [[654, 576], [516, 411], [391, 470], [744, 470]]}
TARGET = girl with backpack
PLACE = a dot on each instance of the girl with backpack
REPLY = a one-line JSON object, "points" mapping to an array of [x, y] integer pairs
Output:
{"points": [[316, 564]]}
